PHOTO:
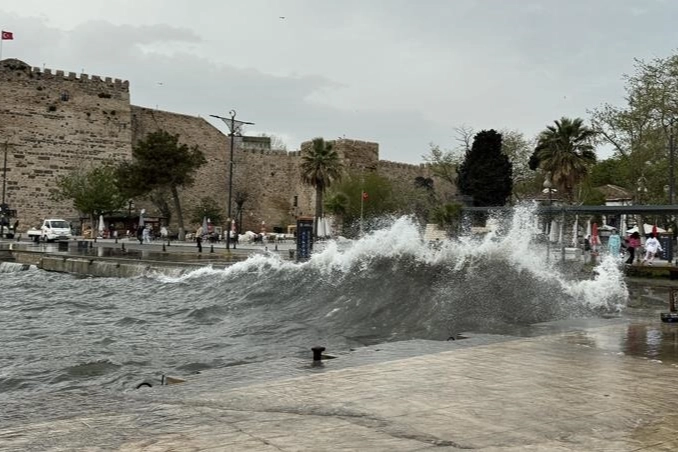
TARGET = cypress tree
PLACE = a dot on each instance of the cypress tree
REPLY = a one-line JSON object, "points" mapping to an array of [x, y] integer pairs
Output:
{"points": [[486, 172]]}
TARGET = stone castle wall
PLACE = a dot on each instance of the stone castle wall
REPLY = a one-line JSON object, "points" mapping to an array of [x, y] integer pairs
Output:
{"points": [[55, 122]]}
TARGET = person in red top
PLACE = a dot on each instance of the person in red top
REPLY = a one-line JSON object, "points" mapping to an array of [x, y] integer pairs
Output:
{"points": [[632, 243]]}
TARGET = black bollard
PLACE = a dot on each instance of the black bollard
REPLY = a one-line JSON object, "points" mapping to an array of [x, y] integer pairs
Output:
{"points": [[123, 248], [116, 239], [276, 246], [163, 248], [211, 248], [199, 241], [318, 352], [168, 242]]}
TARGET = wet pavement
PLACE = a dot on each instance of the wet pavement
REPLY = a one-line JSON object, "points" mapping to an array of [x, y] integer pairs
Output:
{"points": [[577, 385], [580, 385]]}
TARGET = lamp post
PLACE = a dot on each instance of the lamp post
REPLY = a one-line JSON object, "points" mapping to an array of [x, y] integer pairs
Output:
{"points": [[548, 187], [234, 128]]}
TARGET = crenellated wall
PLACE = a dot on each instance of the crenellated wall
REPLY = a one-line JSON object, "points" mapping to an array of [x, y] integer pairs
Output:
{"points": [[54, 122]]}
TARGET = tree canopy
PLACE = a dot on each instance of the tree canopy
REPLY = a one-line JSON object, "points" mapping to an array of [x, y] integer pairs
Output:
{"points": [[565, 150], [320, 166], [160, 162], [486, 172], [93, 191]]}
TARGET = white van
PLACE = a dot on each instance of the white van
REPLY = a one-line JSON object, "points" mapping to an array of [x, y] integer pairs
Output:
{"points": [[52, 229]]}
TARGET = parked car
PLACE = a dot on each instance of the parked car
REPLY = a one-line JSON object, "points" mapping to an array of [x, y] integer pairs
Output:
{"points": [[52, 229]]}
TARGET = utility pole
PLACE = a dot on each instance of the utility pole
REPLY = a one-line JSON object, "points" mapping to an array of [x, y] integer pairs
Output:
{"points": [[234, 128]]}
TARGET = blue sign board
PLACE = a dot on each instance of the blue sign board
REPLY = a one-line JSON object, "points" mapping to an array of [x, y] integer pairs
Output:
{"points": [[304, 238]]}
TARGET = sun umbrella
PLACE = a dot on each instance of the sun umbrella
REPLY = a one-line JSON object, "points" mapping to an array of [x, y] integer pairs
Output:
{"points": [[102, 227], [204, 225], [553, 235], [233, 229], [141, 218]]}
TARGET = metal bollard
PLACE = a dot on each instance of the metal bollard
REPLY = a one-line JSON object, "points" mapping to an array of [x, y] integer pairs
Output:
{"points": [[163, 248], [318, 352], [123, 248], [168, 242], [211, 248]]}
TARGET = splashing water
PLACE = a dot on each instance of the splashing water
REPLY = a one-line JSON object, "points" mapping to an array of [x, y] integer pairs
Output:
{"points": [[388, 285]]}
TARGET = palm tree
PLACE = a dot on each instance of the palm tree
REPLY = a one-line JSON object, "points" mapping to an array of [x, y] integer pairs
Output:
{"points": [[320, 166], [566, 151]]}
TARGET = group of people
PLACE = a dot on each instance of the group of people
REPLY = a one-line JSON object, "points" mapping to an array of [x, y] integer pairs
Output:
{"points": [[633, 243]]}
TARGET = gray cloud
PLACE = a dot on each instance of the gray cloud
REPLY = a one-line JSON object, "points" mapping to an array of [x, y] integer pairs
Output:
{"points": [[398, 72]]}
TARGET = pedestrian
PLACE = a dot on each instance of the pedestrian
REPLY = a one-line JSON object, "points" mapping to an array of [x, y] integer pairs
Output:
{"points": [[632, 244], [614, 243], [652, 245]]}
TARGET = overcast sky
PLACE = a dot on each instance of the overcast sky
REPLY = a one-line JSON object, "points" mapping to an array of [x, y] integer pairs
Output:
{"points": [[401, 73]]}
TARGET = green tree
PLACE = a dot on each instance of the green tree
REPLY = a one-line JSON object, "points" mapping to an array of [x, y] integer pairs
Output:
{"points": [[485, 174], [93, 191], [209, 208], [160, 162], [448, 216], [640, 130], [518, 149], [320, 166], [381, 199], [566, 151]]}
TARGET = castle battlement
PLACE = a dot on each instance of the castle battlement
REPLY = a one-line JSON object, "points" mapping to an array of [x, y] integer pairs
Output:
{"points": [[47, 73], [391, 164], [12, 65]]}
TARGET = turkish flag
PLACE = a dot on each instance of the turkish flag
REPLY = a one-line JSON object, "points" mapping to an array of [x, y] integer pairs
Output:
{"points": [[365, 196], [7, 35]]}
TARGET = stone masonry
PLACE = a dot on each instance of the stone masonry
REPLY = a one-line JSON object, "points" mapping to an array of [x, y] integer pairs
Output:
{"points": [[53, 122]]}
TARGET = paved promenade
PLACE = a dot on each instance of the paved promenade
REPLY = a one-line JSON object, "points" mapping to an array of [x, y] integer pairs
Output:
{"points": [[572, 391]]}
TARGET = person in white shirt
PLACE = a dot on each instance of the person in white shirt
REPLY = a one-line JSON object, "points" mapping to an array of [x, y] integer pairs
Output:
{"points": [[652, 245]]}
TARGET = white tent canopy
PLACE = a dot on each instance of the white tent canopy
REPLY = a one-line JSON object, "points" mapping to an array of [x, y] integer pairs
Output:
{"points": [[647, 228]]}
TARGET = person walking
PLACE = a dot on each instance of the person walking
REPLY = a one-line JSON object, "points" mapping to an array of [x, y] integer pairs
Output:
{"points": [[633, 243], [652, 245]]}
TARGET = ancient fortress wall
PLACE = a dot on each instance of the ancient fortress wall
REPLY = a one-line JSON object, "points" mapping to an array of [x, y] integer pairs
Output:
{"points": [[53, 123]]}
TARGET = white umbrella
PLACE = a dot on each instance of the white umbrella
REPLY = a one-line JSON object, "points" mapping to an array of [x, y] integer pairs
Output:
{"points": [[102, 227], [141, 218], [328, 227], [622, 225], [553, 236], [204, 225], [575, 231], [588, 228], [321, 228]]}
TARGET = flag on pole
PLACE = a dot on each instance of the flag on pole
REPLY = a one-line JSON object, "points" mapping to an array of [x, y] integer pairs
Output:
{"points": [[7, 35]]}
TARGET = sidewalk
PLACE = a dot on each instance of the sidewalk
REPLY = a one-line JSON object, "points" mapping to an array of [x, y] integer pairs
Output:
{"points": [[562, 392]]}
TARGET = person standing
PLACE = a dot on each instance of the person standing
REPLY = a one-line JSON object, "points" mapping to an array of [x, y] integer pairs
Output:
{"points": [[652, 245], [633, 244], [614, 243]]}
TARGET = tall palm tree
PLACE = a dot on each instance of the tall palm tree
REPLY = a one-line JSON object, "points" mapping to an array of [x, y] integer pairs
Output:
{"points": [[320, 166], [566, 150]]}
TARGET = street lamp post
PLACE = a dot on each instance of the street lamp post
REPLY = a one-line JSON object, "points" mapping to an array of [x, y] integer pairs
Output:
{"points": [[234, 128], [548, 187]]}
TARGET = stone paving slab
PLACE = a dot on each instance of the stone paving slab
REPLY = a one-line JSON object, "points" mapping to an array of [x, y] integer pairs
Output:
{"points": [[549, 393]]}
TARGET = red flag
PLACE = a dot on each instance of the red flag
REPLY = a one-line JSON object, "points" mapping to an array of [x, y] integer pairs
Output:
{"points": [[7, 35], [365, 196], [654, 230]]}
